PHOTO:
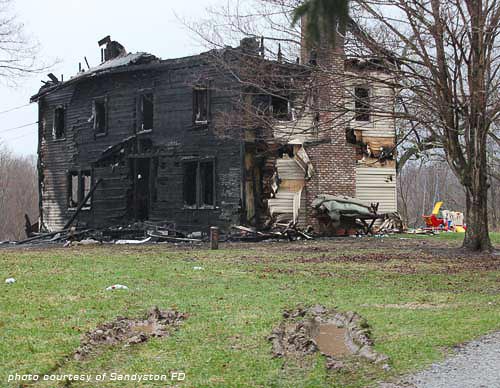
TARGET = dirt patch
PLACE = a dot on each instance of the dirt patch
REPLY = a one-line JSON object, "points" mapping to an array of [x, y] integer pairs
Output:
{"points": [[335, 335], [157, 323]]}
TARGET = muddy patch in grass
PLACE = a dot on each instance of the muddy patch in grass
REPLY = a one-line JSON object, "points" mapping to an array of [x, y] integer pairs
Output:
{"points": [[126, 331], [336, 335]]}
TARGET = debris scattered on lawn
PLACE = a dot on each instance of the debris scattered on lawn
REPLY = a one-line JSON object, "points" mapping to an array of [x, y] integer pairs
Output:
{"points": [[10, 281], [148, 232], [279, 231], [392, 223], [341, 216], [157, 323], [198, 268], [87, 241], [334, 334], [116, 287], [123, 242]]}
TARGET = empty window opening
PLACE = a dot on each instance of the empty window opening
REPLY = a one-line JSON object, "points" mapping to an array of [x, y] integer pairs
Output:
{"points": [[350, 135], [190, 173], [200, 105], [100, 116], [79, 185], [73, 189], [59, 123], [281, 108], [86, 183], [207, 183], [147, 111], [362, 104], [199, 183]]}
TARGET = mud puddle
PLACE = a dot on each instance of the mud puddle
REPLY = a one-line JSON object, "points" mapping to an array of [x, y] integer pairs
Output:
{"points": [[331, 340], [126, 331], [336, 335]]}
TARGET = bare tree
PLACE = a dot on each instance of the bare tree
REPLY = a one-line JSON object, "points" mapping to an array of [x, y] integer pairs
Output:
{"points": [[447, 56], [18, 193], [18, 51]]}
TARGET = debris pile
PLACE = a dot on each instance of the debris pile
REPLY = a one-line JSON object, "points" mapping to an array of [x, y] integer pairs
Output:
{"points": [[157, 323], [334, 334], [340, 215], [279, 231], [136, 233], [392, 224]]}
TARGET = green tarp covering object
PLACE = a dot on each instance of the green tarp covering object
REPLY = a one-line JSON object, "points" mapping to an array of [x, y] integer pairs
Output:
{"points": [[337, 206]]}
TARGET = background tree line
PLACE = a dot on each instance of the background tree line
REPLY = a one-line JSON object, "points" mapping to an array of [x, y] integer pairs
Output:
{"points": [[18, 193]]}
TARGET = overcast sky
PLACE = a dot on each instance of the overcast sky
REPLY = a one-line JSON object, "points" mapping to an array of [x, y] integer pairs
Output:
{"points": [[69, 30]]}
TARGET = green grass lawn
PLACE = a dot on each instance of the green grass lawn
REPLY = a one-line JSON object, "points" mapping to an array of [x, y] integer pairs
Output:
{"points": [[417, 310], [455, 237]]}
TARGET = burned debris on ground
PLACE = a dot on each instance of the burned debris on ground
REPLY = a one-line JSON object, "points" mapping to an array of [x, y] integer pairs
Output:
{"points": [[154, 232]]}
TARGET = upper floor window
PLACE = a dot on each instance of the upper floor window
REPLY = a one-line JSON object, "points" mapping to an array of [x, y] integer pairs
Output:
{"points": [[362, 104], [59, 129], [201, 105], [281, 108], [146, 111], [100, 114]]}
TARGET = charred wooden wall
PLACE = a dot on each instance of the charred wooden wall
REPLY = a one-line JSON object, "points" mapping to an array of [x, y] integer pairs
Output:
{"points": [[173, 139]]}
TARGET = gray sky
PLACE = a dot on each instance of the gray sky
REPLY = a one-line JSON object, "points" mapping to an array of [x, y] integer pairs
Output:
{"points": [[69, 30]]}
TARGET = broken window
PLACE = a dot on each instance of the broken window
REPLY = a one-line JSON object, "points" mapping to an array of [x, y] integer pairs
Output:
{"points": [[189, 183], [207, 183], [362, 104], [201, 105], [86, 182], [79, 185], [59, 130], [199, 183], [100, 116], [350, 135], [73, 189], [147, 111], [281, 108]]}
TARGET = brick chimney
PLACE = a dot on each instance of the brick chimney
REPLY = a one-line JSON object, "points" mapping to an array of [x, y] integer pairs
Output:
{"points": [[333, 158], [111, 50]]}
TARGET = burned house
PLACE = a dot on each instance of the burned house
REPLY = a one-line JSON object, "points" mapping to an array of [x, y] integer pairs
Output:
{"points": [[140, 138]]}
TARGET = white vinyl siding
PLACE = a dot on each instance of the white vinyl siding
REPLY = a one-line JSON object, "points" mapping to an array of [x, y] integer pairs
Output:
{"points": [[375, 184]]}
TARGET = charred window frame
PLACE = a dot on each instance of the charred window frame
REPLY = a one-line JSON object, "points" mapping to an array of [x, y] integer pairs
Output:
{"points": [[79, 185], [201, 105], [362, 110], [146, 111], [73, 189], [59, 127], [100, 115], [199, 180], [281, 108]]}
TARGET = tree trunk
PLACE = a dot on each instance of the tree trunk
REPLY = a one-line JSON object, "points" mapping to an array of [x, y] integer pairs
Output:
{"points": [[477, 236]]}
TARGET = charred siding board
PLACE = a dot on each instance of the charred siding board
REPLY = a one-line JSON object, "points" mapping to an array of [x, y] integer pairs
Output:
{"points": [[56, 157], [109, 204], [173, 138], [170, 203]]}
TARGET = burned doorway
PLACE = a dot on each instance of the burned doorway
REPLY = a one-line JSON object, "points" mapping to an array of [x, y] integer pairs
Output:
{"points": [[140, 200]]}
